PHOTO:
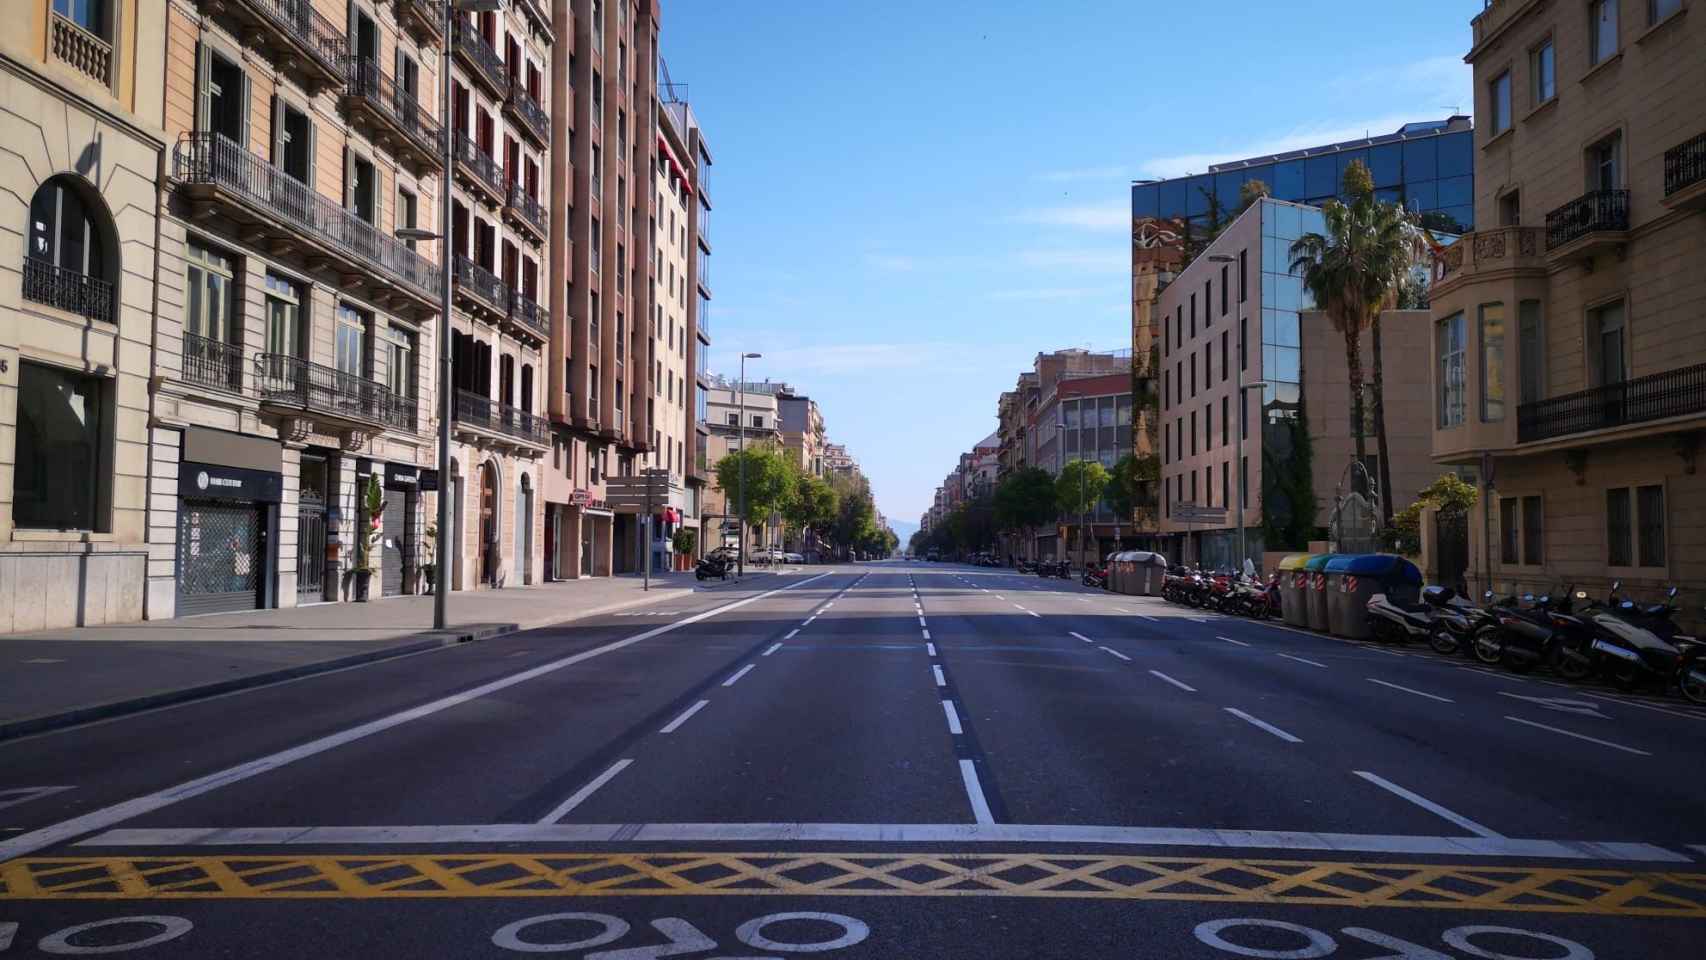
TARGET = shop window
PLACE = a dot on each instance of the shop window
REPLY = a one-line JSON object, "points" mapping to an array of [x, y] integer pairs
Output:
{"points": [[1449, 334], [60, 474]]}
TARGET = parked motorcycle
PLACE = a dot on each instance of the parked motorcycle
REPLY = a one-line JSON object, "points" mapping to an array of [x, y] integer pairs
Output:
{"points": [[1627, 648], [1691, 668], [1431, 619], [1457, 620], [713, 565], [1095, 576], [1258, 600], [1523, 635]]}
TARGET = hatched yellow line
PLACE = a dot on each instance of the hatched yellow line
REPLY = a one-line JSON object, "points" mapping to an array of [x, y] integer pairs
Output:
{"points": [[491, 875]]}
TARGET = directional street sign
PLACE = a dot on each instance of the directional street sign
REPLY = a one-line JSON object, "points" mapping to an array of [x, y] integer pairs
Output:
{"points": [[1196, 513]]}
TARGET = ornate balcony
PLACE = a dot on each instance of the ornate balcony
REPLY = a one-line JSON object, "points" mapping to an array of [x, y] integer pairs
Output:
{"points": [[213, 363], [529, 317], [1483, 252], [479, 290], [298, 37], [484, 64], [396, 117], [329, 395], [422, 18], [87, 53], [477, 171], [221, 178], [534, 122], [68, 290], [1685, 175], [524, 210], [1659, 396], [1591, 224], [482, 418]]}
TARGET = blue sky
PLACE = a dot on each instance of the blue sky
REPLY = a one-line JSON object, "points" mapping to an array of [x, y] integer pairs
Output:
{"points": [[913, 199]]}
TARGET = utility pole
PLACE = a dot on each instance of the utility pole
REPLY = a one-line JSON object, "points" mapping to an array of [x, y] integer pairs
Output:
{"points": [[740, 388]]}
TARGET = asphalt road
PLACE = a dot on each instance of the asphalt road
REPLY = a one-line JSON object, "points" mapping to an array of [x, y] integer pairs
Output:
{"points": [[876, 760]]}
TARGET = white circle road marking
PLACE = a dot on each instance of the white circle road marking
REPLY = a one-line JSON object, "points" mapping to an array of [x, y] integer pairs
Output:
{"points": [[1458, 937], [1320, 945], [853, 932], [509, 936], [171, 928]]}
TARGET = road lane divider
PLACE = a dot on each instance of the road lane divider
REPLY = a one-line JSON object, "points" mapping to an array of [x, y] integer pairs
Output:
{"points": [[926, 633], [773, 648], [1080, 636], [941, 681], [1428, 805], [1263, 725], [684, 716], [734, 677], [1301, 660], [1230, 640], [1116, 653], [1580, 736], [930, 649], [974, 793], [792, 633], [953, 718], [1419, 693], [1180, 684], [579, 796]]}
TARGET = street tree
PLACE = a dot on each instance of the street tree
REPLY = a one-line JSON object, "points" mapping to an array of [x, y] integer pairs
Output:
{"points": [[1025, 500], [770, 481], [813, 506]]}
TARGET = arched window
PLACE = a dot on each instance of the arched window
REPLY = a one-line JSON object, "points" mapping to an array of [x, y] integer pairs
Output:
{"points": [[69, 257]]}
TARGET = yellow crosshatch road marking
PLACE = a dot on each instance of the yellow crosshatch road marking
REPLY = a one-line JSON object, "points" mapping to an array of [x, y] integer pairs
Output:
{"points": [[426, 876]]}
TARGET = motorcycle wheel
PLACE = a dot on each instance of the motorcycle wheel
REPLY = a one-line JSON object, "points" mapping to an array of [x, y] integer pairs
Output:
{"points": [[1486, 646], [1691, 678], [699, 573], [1443, 641], [1626, 676], [1570, 668]]}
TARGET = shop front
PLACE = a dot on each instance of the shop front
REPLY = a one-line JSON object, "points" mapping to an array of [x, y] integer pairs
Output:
{"points": [[227, 523], [401, 533]]}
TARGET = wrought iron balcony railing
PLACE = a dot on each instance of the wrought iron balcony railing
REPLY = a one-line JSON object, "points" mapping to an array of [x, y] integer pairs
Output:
{"points": [[1657, 396], [534, 119], [295, 23], [294, 382], [526, 208], [209, 159], [68, 290], [1600, 210], [213, 363], [528, 314], [1685, 164], [480, 164], [487, 66], [423, 18], [399, 108], [484, 413], [480, 283]]}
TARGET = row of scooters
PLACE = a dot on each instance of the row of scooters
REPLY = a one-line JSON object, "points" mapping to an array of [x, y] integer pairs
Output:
{"points": [[1577, 637], [1045, 568]]}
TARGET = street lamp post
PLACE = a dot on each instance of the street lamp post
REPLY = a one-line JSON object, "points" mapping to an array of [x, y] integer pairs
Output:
{"points": [[446, 398], [740, 426]]}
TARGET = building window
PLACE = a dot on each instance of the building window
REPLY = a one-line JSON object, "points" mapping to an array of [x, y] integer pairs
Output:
{"points": [[1243, 275], [1166, 339], [1244, 470], [351, 340], [1508, 530], [1193, 316], [1225, 421], [1533, 530], [1166, 442], [1605, 163], [1650, 516], [734, 419], [1543, 68], [1510, 209], [1605, 326], [364, 189], [1451, 378], [1659, 9], [1193, 433], [1193, 374], [1225, 368], [1492, 336], [757, 422], [1208, 426], [66, 265], [1618, 532], [1602, 30], [1522, 531], [1499, 102], [1635, 526], [284, 309], [1207, 305], [1530, 352], [211, 278], [1244, 344], [1226, 483], [400, 361], [1223, 272], [407, 206], [59, 473]]}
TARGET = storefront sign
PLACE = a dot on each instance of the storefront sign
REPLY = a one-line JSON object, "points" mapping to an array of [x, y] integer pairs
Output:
{"points": [[580, 498], [404, 476], [212, 481]]}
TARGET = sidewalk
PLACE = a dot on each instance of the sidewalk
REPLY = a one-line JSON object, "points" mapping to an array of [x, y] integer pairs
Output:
{"points": [[57, 678]]}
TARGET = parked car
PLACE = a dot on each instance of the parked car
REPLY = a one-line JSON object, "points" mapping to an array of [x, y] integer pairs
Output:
{"points": [[793, 558]]}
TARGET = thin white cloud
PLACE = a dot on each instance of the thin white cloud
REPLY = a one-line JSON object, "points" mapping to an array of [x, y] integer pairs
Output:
{"points": [[1114, 216]]}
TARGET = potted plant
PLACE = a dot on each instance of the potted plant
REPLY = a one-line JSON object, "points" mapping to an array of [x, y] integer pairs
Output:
{"points": [[369, 540], [429, 562], [684, 541]]}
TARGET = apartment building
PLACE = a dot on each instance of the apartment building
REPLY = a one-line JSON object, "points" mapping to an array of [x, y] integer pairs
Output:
{"points": [[837, 462], [83, 85], [296, 332], [602, 359], [1242, 353], [1567, 355], [1084, 417], [729, 406]]}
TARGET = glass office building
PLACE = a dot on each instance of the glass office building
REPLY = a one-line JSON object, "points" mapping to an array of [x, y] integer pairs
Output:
{"points": [[1428, 167]]}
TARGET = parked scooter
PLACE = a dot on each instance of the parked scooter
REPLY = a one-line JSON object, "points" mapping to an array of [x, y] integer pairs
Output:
{"points": [[1095, 576], [1627, 648], [1258, 600], [1431, 619], [1691, 668], [715, 564], [1458, 619], [1523, 636]]}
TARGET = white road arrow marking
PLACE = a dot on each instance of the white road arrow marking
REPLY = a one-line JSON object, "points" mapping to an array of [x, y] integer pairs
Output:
{"points": [[683, 937], [1585, 708]]}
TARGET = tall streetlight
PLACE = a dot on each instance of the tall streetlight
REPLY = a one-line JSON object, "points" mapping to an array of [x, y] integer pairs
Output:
{"points": [[1243, 392], [740, 388], [446, 401]]}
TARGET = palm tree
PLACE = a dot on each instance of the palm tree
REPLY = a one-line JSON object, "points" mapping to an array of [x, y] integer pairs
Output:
{"points": [[1353, 271]]}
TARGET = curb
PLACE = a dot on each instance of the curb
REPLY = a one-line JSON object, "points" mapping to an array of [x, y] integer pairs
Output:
{"points": [[406, 645]]}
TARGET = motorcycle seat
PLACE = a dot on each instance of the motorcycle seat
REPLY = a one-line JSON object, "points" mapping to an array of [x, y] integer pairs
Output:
{"points": [[1412, 606]]}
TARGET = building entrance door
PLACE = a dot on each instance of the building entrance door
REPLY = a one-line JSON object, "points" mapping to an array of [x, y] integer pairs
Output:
{"points": [[311, 532], [488, 524], [221, 556]]}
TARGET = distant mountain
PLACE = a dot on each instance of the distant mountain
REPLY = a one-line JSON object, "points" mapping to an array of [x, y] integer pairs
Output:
{"points": [[904, 529]]}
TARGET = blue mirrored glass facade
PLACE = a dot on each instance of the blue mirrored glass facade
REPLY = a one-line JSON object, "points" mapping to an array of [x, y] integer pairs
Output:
{"points": [[1429, 167]]}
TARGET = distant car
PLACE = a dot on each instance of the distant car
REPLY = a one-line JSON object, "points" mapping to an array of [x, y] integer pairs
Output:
{"points": [[932, 556], [793, 558]]}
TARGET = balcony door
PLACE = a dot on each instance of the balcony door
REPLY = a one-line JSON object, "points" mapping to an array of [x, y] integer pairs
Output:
{"points": [[293, 155], [364, 35], [224, 96], [1605, 164]]}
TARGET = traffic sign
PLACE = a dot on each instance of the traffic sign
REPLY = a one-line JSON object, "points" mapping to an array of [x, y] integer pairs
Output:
{"points": [[1196, 513]]}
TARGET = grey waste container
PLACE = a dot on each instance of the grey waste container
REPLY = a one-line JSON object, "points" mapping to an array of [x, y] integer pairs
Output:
{"points": [[1317, 590], [1353, 579], [1294, 589], [1150, 569]]}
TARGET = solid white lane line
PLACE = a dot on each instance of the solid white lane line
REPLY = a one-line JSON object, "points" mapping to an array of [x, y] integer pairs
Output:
{"points": [[922, 622], [791, 633], [1301, 660], [1263, 724], [1230, 640], [1117, 654], [1080, 636], [974, 792], [941, 681], [686, 715], [108, 816], [930, 648], [579, 796], [1182, 686], [808, 621], [953, 717], [743, 671], [773, 648], [1579, 736], [885, 834], [1429, 805], [1149, 618], [1430, 696], [1000, 597], [1034, 614]]}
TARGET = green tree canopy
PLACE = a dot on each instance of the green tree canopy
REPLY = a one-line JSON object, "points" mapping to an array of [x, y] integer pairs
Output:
{"points": [[1025, 500], [1128, 483], [813, 507], [770, 480], [1080, 485]]}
